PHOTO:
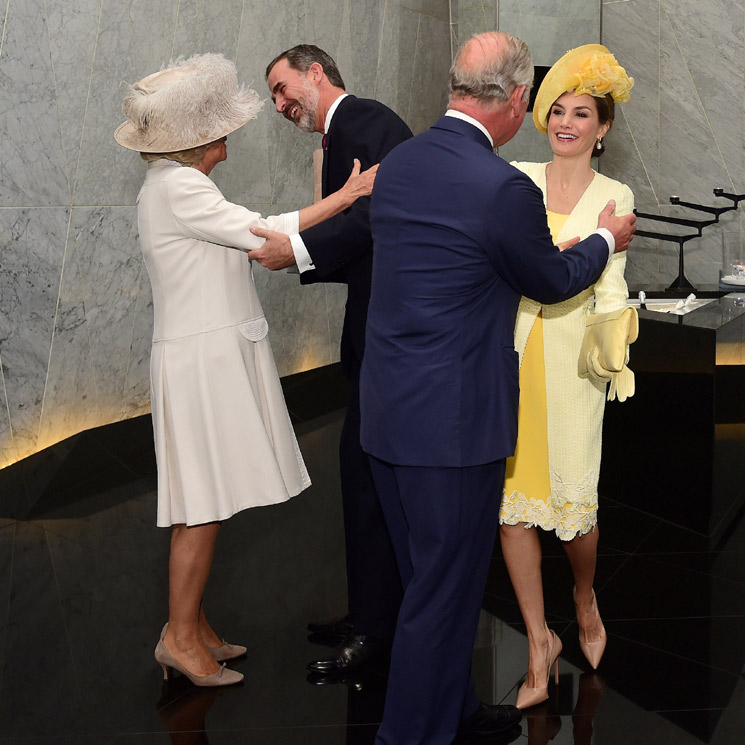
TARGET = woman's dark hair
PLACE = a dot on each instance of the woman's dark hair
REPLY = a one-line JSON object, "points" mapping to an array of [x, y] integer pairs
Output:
{"points": [[606, 113]]}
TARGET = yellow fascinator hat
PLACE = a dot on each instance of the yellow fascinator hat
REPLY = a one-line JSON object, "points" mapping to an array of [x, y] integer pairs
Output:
{"points": [[591, 69]]}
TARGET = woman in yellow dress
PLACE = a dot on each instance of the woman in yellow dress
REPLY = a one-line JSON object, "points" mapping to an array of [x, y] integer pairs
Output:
{"points": [[551, 481]]}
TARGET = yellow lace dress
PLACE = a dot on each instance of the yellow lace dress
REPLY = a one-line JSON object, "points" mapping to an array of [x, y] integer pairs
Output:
{"points": [[527, 479]]}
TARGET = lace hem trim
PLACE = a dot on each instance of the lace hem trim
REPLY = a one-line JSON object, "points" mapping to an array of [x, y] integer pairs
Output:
{"points": [[571, 509]]}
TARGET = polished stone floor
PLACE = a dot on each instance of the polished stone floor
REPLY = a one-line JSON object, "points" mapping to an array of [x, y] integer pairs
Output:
{"points": [[83, 597]]}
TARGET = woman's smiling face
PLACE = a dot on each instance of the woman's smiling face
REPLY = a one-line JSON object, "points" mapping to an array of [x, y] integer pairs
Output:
{"points": [[573, 124]]}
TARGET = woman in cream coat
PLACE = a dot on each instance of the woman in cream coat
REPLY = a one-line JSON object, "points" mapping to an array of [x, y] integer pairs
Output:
{"points": [[223, 437], [551, 482]]}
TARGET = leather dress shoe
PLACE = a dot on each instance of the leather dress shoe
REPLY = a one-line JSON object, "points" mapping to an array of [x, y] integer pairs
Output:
{"points": [[489, 720], [338, 628], [355, 651]]}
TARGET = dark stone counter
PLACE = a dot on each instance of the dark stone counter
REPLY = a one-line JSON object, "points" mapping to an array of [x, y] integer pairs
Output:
{"points": [[677, 448]]}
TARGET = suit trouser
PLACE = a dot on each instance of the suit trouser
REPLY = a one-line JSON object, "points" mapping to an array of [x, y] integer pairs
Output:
{"points": [[373, 580], [443, 523]]}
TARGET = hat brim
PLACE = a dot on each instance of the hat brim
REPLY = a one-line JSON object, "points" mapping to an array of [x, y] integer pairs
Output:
{"points": [[130, 136], [554, 85]]}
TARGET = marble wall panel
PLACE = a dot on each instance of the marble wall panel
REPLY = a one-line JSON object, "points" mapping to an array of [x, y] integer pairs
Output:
{"points": [[528, 144], [110, 267], [691, 160], [247, 175], [207, 26], [135, 38], [631, 32], [439, 9], [136, 396], [682, 131], [550, 27], [75, 309], [361, 29], [395, 71], [694, 29], [475, 19], [299, 335], [31, 255], [336, 302], [73, 30], [70, 391], [322, 25], [33, 170], [429, 90], [7, 449]]}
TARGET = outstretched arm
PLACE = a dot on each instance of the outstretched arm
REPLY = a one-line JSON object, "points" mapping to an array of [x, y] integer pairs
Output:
{"points": [[277, 253]]}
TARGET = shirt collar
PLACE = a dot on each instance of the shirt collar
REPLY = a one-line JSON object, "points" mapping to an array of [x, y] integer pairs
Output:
{"points": [[332, 110], [476, 123]]}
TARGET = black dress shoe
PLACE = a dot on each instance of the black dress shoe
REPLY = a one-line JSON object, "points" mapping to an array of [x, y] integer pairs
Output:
{"points": [[489, 720], [354, 652], [338, 628]]}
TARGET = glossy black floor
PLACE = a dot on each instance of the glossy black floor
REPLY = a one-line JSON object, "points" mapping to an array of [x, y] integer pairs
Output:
{"points": [[83, 598]]}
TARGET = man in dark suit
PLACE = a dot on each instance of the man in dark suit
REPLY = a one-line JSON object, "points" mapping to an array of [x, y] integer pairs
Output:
{"points": [[459, 236], [308, 90]]}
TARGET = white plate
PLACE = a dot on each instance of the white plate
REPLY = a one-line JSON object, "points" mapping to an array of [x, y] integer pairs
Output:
{"points": [[733, 279]]}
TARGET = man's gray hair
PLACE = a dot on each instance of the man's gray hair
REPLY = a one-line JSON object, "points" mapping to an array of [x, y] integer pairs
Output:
{"points": [[504, 64]]}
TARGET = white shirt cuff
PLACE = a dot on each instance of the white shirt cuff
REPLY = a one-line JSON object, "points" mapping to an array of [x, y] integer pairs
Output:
{"points": [[609, 239], [302, 257]]}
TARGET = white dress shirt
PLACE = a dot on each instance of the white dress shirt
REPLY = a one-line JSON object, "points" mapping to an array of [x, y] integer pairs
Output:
{"points": [[302, 257]]}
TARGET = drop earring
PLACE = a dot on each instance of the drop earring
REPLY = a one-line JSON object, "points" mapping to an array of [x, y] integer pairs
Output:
{"points": [[599, 145]]}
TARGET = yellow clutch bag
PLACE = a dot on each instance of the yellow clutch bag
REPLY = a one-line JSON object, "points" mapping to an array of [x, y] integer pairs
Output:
{"points": [[604, 351]]}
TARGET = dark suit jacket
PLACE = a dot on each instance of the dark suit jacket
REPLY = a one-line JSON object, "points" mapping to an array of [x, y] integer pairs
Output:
{"points": [[459, 236], [341, 248]]}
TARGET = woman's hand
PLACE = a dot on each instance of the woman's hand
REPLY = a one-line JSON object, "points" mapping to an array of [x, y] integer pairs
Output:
{"points": [[358, 184]]}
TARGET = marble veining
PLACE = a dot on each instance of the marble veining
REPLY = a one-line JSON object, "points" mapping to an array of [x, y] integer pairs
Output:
{"points": [[684, 120], [75, 305], [31, 254], [33, 170], [73, 30], [110, 265], [430, 74]]}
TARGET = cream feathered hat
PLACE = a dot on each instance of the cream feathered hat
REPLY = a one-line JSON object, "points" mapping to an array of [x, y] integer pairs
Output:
{"points": [[187, 104]]}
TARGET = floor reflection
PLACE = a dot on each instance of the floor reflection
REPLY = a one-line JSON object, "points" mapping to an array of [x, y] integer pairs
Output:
{"points": [[83, 598]]}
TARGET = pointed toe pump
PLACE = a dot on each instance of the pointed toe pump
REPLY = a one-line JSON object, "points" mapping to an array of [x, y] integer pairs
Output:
{"points": [[223, 677], [593, 651], [527, 697]]}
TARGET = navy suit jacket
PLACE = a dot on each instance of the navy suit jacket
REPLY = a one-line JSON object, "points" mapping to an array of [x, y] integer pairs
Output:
{"points": [[341, 248], [459, 235]]}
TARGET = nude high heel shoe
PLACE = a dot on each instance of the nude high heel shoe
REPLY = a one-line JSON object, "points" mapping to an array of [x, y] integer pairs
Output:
{"points": [[593, 651], [223, 677], [222, 653], [527, 697]]}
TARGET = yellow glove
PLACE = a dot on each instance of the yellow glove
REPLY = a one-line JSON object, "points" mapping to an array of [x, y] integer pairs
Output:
{"points": [[622, 384], [606, 340]]}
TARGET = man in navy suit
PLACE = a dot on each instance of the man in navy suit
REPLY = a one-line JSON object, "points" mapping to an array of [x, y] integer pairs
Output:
{"points": [[459, 235], [308, 90]]}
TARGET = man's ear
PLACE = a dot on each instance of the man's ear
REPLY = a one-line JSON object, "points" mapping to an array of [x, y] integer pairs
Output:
{"points": [[315, 72], [516, 99]]}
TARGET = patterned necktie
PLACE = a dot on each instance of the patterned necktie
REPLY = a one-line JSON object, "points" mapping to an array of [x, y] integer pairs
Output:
{"points": [[323, 142]]}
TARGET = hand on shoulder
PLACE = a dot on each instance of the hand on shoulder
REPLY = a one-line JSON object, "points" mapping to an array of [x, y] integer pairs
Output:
{"points": [[622, 228]]}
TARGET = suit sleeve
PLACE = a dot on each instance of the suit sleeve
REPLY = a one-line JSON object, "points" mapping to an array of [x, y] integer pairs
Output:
{"points": [[520, 247], [611, 290], [204, 213], [368, 134]]}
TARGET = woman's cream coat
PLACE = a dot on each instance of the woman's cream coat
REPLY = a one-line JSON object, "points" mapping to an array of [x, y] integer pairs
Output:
{"points": [[575, 405], [223, 437]]}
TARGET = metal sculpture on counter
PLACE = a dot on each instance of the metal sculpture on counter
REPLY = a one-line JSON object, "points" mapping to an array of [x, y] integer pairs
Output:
{"points": [[681, 282]]}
